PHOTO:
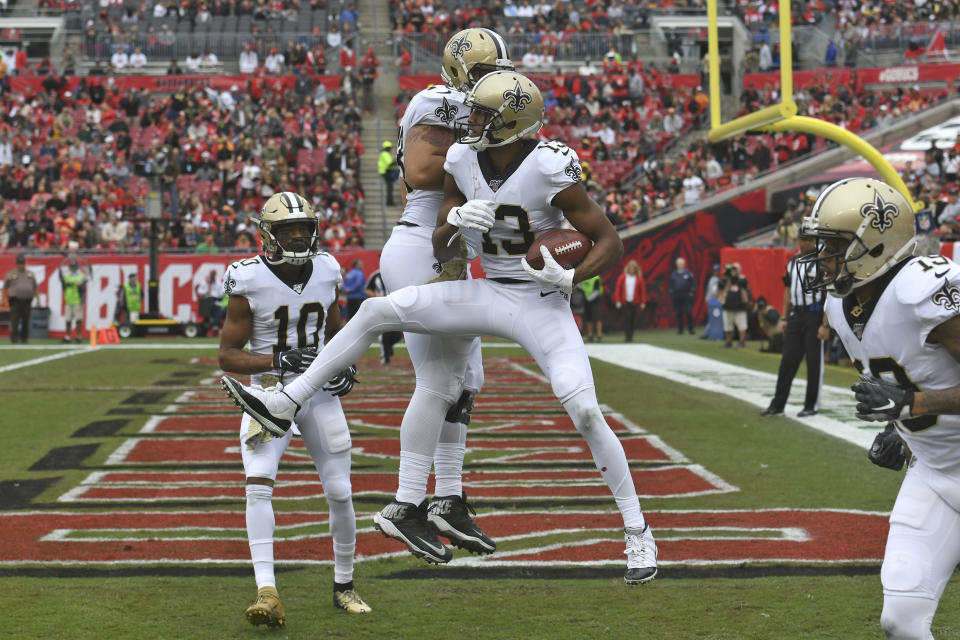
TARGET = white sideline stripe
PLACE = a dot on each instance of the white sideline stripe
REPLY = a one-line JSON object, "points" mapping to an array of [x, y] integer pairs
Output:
{"points": [[837, 414], [56, 356], [152, 423], [539, 377], [121, 452], [631, 426]]}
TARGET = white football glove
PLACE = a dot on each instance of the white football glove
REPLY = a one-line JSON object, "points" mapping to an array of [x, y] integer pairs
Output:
{"points": [[552, 274], [474, 214]]}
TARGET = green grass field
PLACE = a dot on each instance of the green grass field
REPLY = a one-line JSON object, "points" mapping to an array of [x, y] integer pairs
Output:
{"points": [[67, 418]]}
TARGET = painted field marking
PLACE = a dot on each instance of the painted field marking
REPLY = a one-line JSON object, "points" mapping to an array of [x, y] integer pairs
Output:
{"points": [[180, 450], [674, 481], [390, 422], [36, 361], [526, 537], [836, 418]]}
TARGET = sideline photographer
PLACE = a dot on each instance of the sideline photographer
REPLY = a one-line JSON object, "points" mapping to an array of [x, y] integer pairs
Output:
{"points": [[737, 299]]}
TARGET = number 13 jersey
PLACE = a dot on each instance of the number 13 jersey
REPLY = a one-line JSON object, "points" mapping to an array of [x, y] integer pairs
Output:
{"points": [[523, 192]]}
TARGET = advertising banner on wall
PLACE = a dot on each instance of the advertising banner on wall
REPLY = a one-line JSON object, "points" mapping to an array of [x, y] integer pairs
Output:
{"points": [[178, 278]]}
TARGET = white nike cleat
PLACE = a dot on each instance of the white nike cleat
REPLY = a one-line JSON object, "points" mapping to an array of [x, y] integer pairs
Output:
{"points": [[272, 408], [641, 555]]}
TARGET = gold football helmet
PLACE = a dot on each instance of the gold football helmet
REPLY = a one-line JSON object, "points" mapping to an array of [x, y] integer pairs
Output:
{"points": [[863, 227], [470, 54], [504, 106], [301, 241]]}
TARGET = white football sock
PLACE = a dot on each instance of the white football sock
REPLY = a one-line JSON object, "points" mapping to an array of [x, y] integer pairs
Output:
{"points": [[335, 476], [414, 472], [343, 530], [260, 527], [448, 459], [607, 454]]}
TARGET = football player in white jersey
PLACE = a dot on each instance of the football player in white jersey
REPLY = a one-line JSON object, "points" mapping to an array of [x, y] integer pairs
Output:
{"points": [[899, 319], [449, 369], [283, 303], [510, 189]]}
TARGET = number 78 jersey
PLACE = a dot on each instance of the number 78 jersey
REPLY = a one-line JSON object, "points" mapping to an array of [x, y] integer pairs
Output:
{"points": [[523, 194]]}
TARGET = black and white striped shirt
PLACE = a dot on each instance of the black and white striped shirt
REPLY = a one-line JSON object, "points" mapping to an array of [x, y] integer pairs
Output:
{"points": [[798, 298], [375, 283]]}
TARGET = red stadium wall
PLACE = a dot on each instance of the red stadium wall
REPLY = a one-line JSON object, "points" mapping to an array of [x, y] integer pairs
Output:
{"points": [[906, 74], [544, 81], [31, 85], [765, 267], [700, 240], [178, 276]]}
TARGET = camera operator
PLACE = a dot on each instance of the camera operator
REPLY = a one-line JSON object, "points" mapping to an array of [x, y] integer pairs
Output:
{"points": [[736, 299]]}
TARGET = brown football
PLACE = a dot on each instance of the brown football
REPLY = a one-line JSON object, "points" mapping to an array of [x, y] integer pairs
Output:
{"points": [[567, 246]]}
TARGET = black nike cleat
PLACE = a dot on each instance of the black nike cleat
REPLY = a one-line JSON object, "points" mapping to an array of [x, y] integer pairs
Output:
{"points": [[407, 523], [450, 517]]}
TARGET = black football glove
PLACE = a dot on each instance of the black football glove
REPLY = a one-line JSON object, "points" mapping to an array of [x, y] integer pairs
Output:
{"points": [[294, 360], [887, 449], [342, 383], [880, 401]]}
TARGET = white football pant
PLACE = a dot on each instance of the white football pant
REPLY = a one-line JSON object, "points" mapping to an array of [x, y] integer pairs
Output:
{"points": [[444, 365], [323, 411], [923, 549], [541, 322]]}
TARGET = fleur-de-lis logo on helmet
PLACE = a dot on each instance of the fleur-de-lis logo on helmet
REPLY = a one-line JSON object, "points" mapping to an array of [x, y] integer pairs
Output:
{"points": [[883, 213], [446, 112], [458, 46], [517, 98]]}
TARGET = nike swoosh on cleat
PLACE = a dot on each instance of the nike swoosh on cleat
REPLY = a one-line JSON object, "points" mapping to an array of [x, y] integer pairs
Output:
{"points": [[437, 550], [890, 405]]}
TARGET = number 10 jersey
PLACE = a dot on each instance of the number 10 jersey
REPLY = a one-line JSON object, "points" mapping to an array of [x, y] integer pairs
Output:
{"points": [[285, 315]]}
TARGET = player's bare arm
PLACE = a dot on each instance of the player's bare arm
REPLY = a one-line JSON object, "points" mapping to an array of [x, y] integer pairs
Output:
{"points": [[236, 332], [588, 218], [425, 149], [943, 401], [443, 248], [334, 319]]}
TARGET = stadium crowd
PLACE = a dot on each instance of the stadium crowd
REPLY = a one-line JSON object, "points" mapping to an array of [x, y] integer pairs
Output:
{"points": [[76, 162]]}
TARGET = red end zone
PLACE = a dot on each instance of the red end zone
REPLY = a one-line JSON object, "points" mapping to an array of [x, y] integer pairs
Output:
{"points": [[683, 481], [795, 535], [215, 450], [231, 424]]}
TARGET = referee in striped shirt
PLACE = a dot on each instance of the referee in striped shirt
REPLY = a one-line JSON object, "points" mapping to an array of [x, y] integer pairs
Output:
{"points": [[803, 336]]}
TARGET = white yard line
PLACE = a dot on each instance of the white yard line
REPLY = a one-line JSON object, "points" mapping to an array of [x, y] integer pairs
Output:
{"points": [[56, 356], [836, 416]]}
